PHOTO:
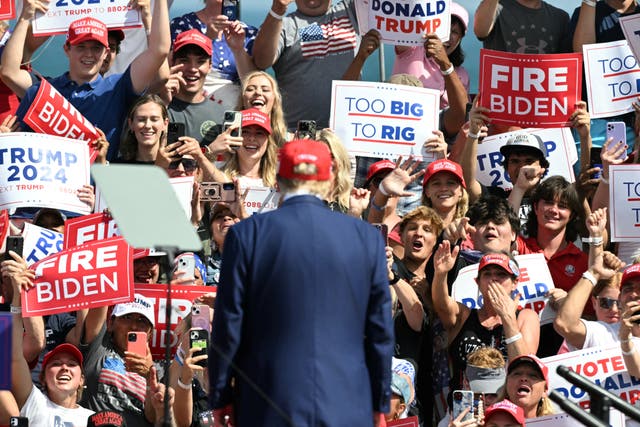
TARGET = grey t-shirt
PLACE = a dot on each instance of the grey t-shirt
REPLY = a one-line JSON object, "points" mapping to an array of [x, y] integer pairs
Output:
{"points": [[109, 385], [312, 52], [519, 29], [202, 120]]}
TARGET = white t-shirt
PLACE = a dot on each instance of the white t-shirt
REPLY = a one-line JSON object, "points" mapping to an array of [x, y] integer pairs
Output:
{"points": [[44, 413], [598, 333]]}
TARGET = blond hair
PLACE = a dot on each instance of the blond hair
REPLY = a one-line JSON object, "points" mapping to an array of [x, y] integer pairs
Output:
{"points": [[278, 124], [486, 357], [342, 184]]}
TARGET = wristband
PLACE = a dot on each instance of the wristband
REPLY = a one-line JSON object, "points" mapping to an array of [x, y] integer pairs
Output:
{"points": [[596, 241], [513, 339], [376, 207], [395, 279], [183, 385], [590, 277], [472, 135], [630, 352], [448, 70], [275, 15], [16, 310], [382, 191], [591, 3]]}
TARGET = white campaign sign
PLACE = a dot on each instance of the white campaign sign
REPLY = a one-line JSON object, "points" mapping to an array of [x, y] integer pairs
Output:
{"points": [[61, 13], [39, 243], [561, 149], [616, 419], [533, 285], [183, 186], [383, 119], [612, 78], [261, 199], [624, 202], [404, 22], [38, 170]]}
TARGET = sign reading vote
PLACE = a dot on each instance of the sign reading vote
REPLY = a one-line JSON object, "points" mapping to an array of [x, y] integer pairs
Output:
{"points": [[92, 275], [61, 13], [89, 228], [39, 243], [182, 296], [612, 78], [39, 170], [624, 202], [561, 153], [530, 90], [404, 22], [533, 285], [382, 119]]}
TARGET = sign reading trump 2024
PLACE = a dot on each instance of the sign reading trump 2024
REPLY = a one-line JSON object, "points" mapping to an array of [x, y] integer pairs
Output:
{"points": [[612, 78], [530, 90], [384, 120], [42, 171], [61, 13], [624, 202], [403, 22], [93, 275]]}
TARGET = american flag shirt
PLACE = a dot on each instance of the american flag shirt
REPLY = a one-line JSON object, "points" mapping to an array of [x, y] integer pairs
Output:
{"points": [[335, 36]]}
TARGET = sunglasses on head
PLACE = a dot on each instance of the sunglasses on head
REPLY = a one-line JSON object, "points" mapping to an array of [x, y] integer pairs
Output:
{"points": [[607, 303], [189, 165]]}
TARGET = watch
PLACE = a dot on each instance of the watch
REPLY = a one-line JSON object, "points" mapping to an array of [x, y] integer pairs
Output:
{"points": [[395, 279]]}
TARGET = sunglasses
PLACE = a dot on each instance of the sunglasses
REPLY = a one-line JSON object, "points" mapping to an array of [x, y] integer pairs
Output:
{"points": [[607, 303], [189, 165]]}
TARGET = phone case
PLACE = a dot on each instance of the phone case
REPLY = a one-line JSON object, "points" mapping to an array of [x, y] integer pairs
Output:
{"points": [[15, 244], [137, 343], [200, 317], [462, 399], [187, 264], [199, 338], [233, 119], [618, 132]]}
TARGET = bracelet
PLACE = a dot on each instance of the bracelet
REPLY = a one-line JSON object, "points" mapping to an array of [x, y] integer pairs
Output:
{"points": [[513, 339], [16, 310], [183, 385], [382, 191], [604, 180], [448, 70], [376, 207], [596, 241], [591, 3], [472, 135], [275, 15], [630, 352], [590, 277]]}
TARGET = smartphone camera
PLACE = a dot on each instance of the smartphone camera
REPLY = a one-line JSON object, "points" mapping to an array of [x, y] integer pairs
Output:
{"points": [[132, 337], [212, 192], [195, 310]]}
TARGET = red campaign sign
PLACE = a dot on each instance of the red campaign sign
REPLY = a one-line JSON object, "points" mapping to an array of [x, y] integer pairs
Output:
{"points": [[4, 225], [89, 228], [7, 10], [92, 275], [404, 422], [530, 90], [182, 297], [52, 114]]}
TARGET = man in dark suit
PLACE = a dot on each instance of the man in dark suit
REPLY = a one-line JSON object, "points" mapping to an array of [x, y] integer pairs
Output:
{"points": [[303, 315]]}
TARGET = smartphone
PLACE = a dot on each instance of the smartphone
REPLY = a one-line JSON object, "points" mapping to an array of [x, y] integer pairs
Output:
{"points": [[137, 343], [384, 231], [186, 263], [617, 131], [463, 399], [595, 161], [175, 131], [15, 244], [217, 192], [199, 338], [19, 422], [306, 129], [201, 316], [233, 120], [231, 9]]}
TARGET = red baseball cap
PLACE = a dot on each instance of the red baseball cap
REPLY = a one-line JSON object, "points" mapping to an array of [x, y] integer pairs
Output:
{"points": [[381, 166], [501, 260], [533, 360], [86, 29], [507, 407], [63, 348], [631, 272], [255, 117], [305, 159], [194, 37], [444, 165]]}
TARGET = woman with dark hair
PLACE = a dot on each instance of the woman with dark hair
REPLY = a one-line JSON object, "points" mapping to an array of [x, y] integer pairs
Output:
{"points": [[435, 59], [146, 127]]}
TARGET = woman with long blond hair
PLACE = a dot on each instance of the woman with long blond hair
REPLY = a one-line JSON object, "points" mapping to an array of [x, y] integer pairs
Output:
{"points": [[260, 90], [341, 182]]}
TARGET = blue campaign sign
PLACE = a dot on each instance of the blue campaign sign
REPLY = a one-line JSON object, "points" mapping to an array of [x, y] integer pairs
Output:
{"points": [[5, 354]]}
